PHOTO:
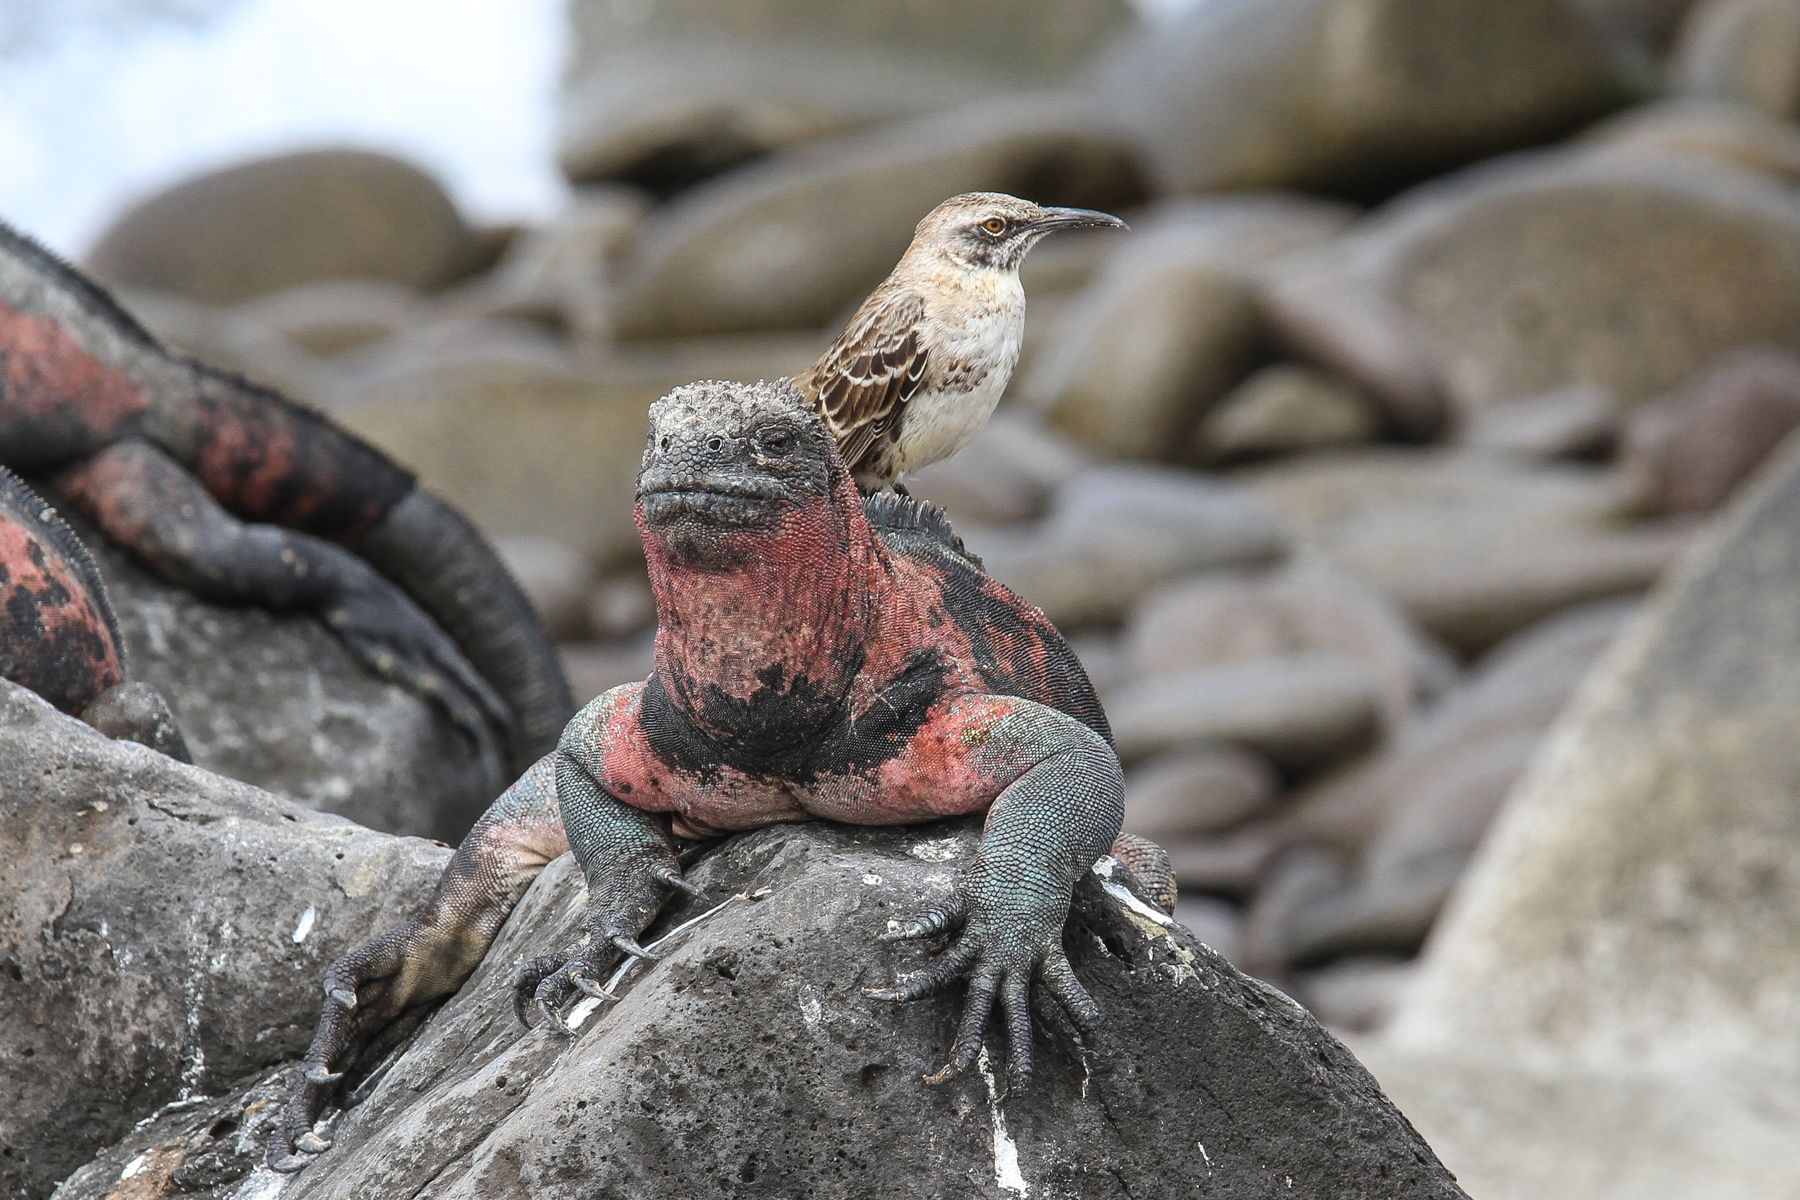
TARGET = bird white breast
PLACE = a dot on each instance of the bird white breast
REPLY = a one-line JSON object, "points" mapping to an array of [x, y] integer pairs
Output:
{"points": [[974, 347]]}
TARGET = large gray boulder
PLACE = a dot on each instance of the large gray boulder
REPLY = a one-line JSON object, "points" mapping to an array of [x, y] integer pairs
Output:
{"points": [[1622, 963], [259, 226], [1501, 285], [1170, 322], [1347, 93], [749, 1062], [277, 700], [1475, 546], [1649, 23], [1700, 129], [666, 92], [1747, 51], [163, 932]]}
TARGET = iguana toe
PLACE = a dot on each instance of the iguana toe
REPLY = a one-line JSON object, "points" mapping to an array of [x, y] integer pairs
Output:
{"points": [[630, 946], [942, 918], [672, 877]]}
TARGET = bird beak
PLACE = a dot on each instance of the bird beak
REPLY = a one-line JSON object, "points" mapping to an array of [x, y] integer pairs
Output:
{"points": [[1077, 218]]}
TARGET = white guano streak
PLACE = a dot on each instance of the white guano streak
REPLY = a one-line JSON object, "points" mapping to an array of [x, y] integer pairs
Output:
{"points": [[1006, 1151]]}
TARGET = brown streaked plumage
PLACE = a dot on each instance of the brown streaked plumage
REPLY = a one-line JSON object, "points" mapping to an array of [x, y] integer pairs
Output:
{"points": [[921, 365]]}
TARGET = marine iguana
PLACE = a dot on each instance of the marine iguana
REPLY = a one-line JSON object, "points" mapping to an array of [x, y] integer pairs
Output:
{"points": [[818, 656], [58, 635], [238, 493]]}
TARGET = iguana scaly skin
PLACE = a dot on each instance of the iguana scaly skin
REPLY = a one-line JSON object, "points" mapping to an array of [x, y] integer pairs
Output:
{"points": [[58, 635], [237, 493], [817, 657]]}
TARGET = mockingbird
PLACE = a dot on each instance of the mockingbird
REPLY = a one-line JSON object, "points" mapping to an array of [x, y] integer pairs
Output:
{"points": [[923, 362]]}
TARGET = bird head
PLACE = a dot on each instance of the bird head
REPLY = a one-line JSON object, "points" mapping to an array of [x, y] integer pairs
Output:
{"points": [[994, 231]]}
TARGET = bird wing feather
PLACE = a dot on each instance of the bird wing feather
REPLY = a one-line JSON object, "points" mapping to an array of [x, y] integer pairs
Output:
{"points": [[861, 384]]}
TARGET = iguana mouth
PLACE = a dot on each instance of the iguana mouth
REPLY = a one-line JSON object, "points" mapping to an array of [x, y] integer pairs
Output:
{"points": [[726, 505]]}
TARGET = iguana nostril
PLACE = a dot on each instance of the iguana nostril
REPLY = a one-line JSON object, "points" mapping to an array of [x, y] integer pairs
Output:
{"points": [[714, 443]]}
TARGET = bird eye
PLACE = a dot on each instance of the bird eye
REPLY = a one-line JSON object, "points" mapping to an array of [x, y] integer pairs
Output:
{"points": [[995, 225]]}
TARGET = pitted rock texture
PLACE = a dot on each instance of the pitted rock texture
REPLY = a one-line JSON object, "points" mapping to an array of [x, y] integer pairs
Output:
{"points": [[749, 1063], [162, 934]]}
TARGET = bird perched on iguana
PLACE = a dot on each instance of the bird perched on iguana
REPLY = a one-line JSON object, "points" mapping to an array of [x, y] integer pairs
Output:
{"points": [[922, 363], [58, 635], [238, 493], [818, 656]]}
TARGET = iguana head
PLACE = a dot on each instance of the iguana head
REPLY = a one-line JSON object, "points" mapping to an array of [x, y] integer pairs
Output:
{"points": [[766, 574], [731, 465]]}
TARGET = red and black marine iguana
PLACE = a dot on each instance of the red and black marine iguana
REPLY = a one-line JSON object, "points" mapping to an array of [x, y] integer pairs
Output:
{"points": [[58, 635], [818, 656], [238, 493]]}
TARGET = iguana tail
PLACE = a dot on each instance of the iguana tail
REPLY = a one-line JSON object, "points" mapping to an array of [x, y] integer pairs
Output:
{"points": [[445, 564]]}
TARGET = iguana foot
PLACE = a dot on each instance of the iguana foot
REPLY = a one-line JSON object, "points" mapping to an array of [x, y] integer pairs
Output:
{"points": [[138, 713], [365, 991], [619, 909], [1008, 933]]}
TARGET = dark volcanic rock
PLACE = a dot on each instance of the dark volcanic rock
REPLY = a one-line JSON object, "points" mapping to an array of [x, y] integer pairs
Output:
{"points": [[277, 700], [162, 934], [749, 1063]]}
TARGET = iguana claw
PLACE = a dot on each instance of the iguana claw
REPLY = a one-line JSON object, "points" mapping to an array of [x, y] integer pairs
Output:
{"points": [[630, 946]]}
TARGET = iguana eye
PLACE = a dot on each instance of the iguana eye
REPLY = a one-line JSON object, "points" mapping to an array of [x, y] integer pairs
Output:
{"points": [[776, 441], [995, 225]]}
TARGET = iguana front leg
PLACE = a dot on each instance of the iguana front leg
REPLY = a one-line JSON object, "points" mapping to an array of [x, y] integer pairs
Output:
{"points": [[625, 854], [1058, 814], [428, 957]]}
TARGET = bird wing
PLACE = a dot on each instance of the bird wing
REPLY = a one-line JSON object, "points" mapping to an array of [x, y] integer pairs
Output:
{"points": [[863, 381]]}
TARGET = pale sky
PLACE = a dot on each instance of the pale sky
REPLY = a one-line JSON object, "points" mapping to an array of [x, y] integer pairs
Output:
{"points": [[95, 108], [104, 100]]}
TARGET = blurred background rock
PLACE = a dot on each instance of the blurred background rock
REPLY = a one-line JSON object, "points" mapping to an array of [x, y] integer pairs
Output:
{"points": [[1444, 329]]}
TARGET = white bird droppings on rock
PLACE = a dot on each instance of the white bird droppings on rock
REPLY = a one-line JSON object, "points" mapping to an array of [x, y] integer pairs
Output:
{"points": [[584, 1008], [305, 924], [1006, 1151], [262, 1184], [935, 849]]}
